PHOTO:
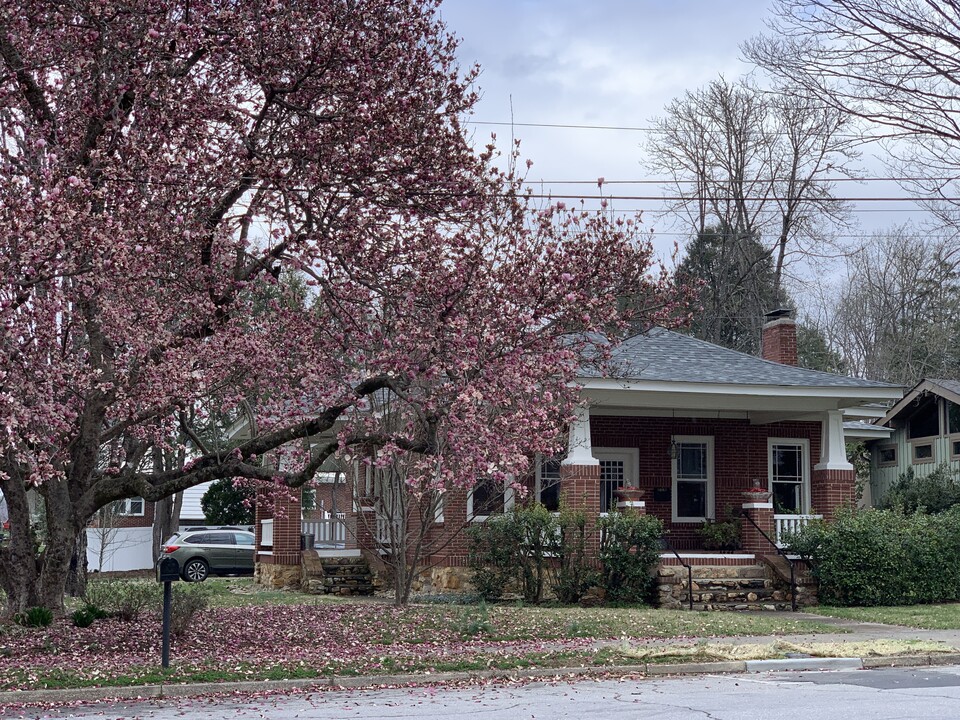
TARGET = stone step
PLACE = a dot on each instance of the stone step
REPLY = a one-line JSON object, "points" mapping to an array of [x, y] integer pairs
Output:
{"points": [[742, 597], [346, 569], [719, 583], [741, 607], [360, 577]]}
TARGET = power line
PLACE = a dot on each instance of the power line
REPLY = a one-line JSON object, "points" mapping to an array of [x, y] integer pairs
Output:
{"points": [[562, 126], [669, 181], [694, 198], [628, 128]]}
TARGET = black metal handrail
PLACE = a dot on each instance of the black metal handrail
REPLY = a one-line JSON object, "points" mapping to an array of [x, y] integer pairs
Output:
{"points": [[781, 553], [671, 548]]}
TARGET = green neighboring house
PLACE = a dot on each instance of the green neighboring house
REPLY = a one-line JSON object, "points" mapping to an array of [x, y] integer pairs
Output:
{"points": [[925, 433]]}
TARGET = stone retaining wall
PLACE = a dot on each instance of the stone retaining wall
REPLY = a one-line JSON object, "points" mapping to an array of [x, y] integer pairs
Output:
{"points": [[750, 587]]}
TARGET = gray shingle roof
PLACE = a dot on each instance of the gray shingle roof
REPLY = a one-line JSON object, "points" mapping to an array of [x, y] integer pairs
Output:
{"points": [[951, 385], [666, 356]]}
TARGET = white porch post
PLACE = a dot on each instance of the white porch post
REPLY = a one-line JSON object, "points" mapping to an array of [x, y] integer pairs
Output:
{"points": [[833, 451], [580, 449]]}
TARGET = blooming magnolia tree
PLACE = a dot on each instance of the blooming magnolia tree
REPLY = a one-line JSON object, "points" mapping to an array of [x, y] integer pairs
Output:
{"points": [[161, 163]]}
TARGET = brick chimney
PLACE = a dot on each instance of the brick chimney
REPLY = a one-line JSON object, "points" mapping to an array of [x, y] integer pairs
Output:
{"points": [[779, 340]]}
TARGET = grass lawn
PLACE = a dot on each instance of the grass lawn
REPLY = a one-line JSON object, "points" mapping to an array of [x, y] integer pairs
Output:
{"points": [[928, 617], [249, 633]]}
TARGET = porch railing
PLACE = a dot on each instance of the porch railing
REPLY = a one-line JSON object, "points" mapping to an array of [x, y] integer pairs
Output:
{"points": [[781, 553], [789, 524], [328, 532]]}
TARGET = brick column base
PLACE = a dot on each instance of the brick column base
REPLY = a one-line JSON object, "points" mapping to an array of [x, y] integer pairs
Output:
{"points": [[750, 538], [831, 490], [281, 568], [580, 490]]}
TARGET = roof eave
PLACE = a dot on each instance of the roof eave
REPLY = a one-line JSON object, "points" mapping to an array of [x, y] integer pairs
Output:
{"points": [[858, 392], [915, 391]]}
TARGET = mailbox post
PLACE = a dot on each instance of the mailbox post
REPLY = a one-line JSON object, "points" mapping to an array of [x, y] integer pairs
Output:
{"points": [[168, 571]]}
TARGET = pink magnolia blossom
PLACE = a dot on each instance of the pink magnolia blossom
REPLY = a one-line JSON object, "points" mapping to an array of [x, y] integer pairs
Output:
{"points": [[159, 174]]}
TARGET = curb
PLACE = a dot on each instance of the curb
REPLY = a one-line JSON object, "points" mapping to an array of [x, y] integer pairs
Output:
{"points": [[158, 692]]}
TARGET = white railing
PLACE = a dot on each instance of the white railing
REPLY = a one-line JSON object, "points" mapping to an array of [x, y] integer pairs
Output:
{"points": [[328, 532], [789, 524], [266, 533]]}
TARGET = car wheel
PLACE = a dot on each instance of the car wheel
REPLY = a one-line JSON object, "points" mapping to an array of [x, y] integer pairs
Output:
{"points": [[196, 570]]}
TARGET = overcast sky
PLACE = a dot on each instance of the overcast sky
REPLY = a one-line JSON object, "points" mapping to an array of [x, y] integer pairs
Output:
{"points": [[608, 63]]}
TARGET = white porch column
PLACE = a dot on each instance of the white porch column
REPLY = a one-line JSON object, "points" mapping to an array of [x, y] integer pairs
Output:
{"points": [[580, 449], [833, 451]]}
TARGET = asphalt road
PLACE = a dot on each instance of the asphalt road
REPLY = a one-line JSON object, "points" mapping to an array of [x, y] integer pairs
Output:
{"points": [[888, 694]]}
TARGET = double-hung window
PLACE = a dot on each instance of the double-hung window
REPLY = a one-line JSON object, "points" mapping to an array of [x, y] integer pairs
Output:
{"points": [[789, 475], [548, 484], [693, 479], [488, 498]]}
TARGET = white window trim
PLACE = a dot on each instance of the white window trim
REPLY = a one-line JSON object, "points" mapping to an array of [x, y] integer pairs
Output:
{"points": [[631, 465], [711, 479], [123, 507], [804, 444], [538, 484], [508, 499]]}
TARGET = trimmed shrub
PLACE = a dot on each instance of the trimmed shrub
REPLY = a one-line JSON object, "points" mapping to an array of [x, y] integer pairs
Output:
{"points": [[124, 599], [629, 554], [574, 574], [490, 555], [932, 493], [515, 550], [883, 557]]}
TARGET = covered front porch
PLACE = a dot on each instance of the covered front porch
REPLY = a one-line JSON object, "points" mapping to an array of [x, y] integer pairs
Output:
{"points": [[762, 463]]}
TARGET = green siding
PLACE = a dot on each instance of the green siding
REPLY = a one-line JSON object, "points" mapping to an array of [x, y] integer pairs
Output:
{"points": [[881, 478]]}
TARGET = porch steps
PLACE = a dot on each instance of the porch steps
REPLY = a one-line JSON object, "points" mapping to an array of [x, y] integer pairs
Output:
{"points": [[336, 575], [738, 587]]}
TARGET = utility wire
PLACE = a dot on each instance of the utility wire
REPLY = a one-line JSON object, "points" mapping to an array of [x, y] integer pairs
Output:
{"points": [[669, 181]]}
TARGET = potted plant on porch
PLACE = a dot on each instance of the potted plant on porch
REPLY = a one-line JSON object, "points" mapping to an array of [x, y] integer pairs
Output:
{"points": [[756, 493]]}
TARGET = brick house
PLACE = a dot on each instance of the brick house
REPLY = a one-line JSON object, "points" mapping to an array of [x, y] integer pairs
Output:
{"points": [[686, 428]]}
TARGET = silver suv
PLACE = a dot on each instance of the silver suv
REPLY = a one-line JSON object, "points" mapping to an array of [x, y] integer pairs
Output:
{"points": [[201, 552]]}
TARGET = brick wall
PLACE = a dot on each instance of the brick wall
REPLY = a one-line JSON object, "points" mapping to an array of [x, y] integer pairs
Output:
{"points": [[740, 454], [330, 497], [131, 521]]}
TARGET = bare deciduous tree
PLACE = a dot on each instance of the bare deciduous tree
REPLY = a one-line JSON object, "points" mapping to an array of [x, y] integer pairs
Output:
{"points": [[755, 163], [897, 313], [894, 65]]}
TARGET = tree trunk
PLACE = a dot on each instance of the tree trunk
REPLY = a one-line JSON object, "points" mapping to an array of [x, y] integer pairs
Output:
{"points": [[18, 558], [166, 520], [61, 542], [77, 575]]}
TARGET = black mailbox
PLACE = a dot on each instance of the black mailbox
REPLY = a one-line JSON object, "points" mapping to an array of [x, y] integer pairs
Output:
{"points": [[168, 570]]}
